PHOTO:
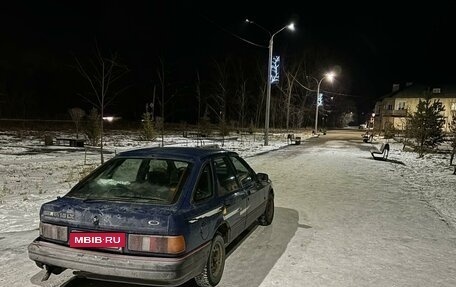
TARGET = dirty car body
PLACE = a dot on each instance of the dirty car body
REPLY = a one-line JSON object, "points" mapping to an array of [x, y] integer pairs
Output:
{"points": [[176, 209]]}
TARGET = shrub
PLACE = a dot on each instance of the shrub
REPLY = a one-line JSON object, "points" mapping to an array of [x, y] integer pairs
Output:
{"points": [[389, 130], [204, 126], [148, 129], [92, 127], [224, 128]]}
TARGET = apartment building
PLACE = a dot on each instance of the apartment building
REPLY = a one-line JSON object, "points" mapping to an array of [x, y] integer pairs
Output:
{"points": [[402, 101]]}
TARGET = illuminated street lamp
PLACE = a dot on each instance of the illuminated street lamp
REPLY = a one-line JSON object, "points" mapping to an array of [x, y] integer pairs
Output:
{"points": [[268, 93], [330, 77]]}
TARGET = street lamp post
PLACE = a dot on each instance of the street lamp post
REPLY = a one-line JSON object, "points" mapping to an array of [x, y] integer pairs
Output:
{"points": [[268, 91], [330, 77], [372, 121]]}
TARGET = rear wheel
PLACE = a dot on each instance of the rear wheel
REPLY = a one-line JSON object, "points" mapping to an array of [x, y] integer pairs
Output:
{"points": [[213, 270], [268, 215]]}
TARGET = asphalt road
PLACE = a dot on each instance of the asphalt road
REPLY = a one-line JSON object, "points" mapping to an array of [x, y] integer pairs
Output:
{"points": [[339, 221]]}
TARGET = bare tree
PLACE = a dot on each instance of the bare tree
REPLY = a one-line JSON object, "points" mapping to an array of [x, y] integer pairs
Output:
{"points": [[76, 115], [219, 97], [101, 73], [290, 75], [198, 94], [241, 99], [242, 102], [260, 101], [299, 109], [161, 78], [203, 118], [163, 99]]}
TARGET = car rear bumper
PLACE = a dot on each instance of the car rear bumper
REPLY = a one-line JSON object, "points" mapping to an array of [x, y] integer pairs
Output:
{"points": [[155, 270]]}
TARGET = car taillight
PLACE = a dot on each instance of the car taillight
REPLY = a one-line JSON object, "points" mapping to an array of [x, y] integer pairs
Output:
{"points": [[156, 244], [52, 231]]}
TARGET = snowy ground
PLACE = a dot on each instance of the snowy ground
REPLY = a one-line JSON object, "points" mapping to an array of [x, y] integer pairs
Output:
{"points": [[430, 178], [31, 174]]}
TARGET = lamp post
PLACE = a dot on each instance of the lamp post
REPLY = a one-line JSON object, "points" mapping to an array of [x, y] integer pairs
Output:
{"points": [[373, 120], [330, 76], [268, 91]]}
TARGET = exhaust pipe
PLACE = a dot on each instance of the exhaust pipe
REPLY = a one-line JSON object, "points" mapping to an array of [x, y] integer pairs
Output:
{"points": [[51, 270], [48, 272]]}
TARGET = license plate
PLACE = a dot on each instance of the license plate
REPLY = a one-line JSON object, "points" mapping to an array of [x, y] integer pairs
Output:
{"points": [[97, 239]]}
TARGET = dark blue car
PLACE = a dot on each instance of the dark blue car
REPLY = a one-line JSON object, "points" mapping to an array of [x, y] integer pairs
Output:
{"points": [[160, 216]]}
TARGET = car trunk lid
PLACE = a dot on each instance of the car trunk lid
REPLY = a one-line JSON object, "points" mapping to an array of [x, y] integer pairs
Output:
{"points": [[107, 216]]}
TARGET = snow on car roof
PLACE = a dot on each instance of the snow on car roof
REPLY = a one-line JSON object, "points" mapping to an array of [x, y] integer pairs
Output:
{"points": [[189, 153]]}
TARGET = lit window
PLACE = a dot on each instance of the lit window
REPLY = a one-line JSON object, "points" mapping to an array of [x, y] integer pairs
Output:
{"points": [[436, 90]]}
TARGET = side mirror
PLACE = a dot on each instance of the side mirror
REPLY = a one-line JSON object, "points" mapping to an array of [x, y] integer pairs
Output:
{"points": [[262, 177]]}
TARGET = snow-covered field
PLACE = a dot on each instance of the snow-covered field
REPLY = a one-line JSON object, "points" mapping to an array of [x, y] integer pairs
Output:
{"points": [[31, 174]]}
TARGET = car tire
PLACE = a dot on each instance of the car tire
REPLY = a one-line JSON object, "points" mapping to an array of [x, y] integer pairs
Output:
{"points": [[268, 215], [213, 270]]}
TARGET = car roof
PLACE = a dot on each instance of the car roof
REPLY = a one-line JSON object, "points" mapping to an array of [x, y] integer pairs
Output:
{"points": [[183, 153]]}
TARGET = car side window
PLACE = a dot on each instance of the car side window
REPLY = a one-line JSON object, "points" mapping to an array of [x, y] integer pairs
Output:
{"points": [[225, 174], [204, 188], [244, 173]]}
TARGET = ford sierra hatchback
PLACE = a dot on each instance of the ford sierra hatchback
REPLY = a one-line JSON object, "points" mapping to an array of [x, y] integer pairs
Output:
{"points": [[158, 216]]}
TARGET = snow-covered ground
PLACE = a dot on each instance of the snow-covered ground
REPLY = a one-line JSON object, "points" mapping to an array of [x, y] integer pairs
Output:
{"points": [[31, 174], [430, 177]]}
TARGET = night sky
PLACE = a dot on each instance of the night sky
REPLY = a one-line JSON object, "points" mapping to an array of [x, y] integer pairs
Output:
{"points": [[375, 45]]}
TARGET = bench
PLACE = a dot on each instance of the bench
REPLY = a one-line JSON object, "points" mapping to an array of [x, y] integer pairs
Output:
{"points": [[186, 134], [383, 151], [70, 142], [292, 139]]}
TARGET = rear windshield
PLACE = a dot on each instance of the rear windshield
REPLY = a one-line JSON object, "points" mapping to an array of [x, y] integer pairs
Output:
{"points": [[135, 180]]}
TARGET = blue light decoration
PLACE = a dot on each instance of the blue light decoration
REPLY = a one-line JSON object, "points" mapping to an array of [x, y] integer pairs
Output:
{"points": [[275, 69], [320, 100]]}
